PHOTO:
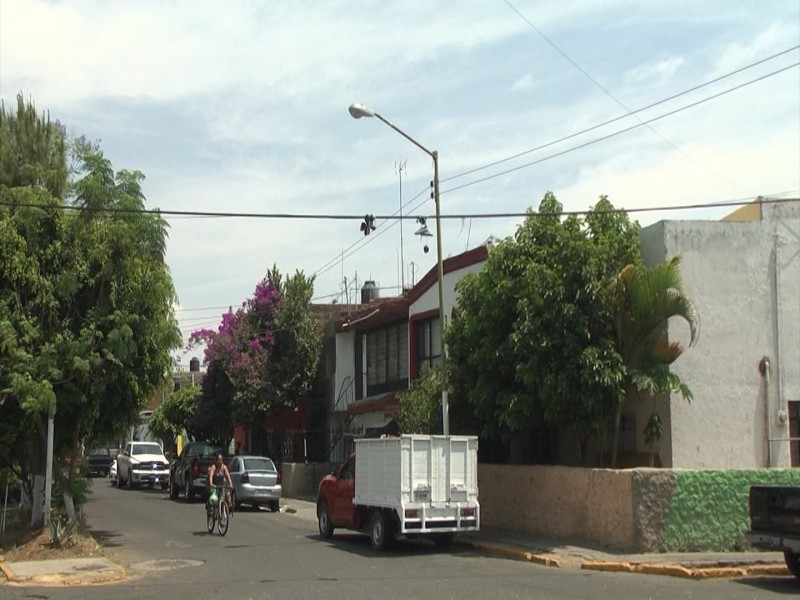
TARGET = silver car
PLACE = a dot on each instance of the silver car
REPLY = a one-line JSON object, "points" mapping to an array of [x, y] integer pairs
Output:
{"points": [[256, 482]]}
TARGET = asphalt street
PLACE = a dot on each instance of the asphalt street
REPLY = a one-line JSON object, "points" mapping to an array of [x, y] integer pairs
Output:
{"points": [[169, 554]]}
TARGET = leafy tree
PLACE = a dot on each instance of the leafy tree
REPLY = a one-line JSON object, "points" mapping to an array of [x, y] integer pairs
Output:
{"points": [[644, 299], [170, 418], [531, 345], [86, 318], [421, 406], [261, 359]]}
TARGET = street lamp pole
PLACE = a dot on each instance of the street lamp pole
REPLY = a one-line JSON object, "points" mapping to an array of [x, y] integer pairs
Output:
{"points": [[357, 111]]}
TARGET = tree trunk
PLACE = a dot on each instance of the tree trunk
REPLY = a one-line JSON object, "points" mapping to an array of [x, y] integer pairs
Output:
{"points": [[615, 443]]}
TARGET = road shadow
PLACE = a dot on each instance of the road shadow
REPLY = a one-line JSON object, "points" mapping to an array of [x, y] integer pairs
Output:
{"points": [[106, 538], [359, 544], [787, 585]]}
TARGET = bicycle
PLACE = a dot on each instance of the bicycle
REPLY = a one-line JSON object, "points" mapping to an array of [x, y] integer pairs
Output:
{"points": [[218, 513]]}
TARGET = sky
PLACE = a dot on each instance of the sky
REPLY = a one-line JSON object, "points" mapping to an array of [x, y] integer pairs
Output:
{"points": [[242, 107]]}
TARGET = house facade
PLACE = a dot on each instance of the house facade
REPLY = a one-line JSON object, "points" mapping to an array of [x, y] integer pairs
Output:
{"points": [[743, 274], [384, 346]]}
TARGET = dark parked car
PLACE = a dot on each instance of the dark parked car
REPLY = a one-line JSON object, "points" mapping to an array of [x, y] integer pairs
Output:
{"points": [[256, 481], [98, 461]]}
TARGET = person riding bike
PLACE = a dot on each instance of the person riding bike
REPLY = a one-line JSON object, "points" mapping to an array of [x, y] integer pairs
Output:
{"points": [[219, 476]]}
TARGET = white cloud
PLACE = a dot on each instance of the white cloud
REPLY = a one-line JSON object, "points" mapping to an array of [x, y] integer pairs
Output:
{"points": [[244, 109]]}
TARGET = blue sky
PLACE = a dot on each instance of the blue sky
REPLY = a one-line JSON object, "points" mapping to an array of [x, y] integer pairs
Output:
{"points": [[242, 107]]}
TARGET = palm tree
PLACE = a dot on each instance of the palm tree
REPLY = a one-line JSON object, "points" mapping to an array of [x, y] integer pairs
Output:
{"points": [[643, 300]]}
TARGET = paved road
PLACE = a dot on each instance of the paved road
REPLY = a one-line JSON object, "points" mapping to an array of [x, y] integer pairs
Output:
{"points": [[276, 555]]}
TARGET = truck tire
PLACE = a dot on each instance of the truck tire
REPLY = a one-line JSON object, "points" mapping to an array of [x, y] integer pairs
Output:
{"points": [[324, 520], [381, 532], [793, 562], [188, 489]]}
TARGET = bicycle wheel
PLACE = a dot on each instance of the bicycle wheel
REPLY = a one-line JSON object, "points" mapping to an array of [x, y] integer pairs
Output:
{"points": [[222, 523], [211, 514]]}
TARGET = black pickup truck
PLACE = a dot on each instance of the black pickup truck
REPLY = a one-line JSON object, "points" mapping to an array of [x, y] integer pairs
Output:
{"points": [[98, 461], [775, 521], [189, 472]]}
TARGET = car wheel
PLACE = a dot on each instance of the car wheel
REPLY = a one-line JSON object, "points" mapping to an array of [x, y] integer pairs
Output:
{"points": [[793, 562], [380, 531], [188, 490], [275, 506], [324, 520]]}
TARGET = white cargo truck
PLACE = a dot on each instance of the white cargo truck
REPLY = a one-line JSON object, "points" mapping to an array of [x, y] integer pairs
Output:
{"points": [[412, 485]]}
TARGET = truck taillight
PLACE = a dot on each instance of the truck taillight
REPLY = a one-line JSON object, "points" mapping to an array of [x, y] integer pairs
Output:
{"points": [[468, 512], [245, 477], [195, 468]]}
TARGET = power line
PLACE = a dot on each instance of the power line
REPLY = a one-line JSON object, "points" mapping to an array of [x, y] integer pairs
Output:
{"points": [[614, 120], [772, 198], [613, 97], [621, 131]]}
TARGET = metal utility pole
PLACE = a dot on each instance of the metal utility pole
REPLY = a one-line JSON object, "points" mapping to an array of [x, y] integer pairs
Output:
{"points": [[400, 167]]}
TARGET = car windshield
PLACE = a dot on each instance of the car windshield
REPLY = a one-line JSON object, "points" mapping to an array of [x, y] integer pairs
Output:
{"points": [[146, 449], [210, 451], [258, 464]]}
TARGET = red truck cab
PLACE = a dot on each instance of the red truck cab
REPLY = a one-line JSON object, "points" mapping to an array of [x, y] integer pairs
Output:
{"points": [[335, 500]]}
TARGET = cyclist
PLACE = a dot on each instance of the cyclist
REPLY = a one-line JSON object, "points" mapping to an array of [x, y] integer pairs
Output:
{"points": [[219, 476]]}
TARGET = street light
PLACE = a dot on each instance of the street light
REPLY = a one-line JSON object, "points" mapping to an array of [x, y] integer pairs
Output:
{"points": [[357, 111]]}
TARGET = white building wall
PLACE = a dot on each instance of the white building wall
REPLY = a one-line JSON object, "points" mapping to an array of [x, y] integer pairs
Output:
{"points": [[744, 278], [345, 370], [430, 299]]}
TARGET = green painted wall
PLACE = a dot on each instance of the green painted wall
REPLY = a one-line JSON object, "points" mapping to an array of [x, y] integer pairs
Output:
{"points": [[709, 509]]}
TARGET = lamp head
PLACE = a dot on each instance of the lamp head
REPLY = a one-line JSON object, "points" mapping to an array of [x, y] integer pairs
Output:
{"points": [[359, 110]]}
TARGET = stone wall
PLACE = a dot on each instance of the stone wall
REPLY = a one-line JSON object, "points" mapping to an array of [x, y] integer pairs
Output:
{"points": [[636, 510]]}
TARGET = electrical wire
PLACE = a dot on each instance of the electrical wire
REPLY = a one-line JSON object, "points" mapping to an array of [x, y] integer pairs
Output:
{"points": [[621, 131], [621, 117]]}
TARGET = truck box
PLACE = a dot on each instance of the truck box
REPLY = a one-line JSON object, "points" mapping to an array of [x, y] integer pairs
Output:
{"points": [[431, 481]]}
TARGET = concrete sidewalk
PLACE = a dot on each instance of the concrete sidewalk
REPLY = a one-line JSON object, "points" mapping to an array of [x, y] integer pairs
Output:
{"points": [[494, 542], [557, 553]]}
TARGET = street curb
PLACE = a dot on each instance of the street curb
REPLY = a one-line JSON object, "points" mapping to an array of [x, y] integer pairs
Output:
{"points": [[512, 553], [10, 577], [687, 572]]}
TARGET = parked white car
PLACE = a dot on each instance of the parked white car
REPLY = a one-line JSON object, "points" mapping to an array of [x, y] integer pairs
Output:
{"points": [[142, 463]]}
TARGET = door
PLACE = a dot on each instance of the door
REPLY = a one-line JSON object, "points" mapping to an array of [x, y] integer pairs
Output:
{"points": [[345, 491]]}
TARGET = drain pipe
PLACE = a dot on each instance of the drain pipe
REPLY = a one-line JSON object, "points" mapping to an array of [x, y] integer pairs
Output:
{"points": [[763, 367]]}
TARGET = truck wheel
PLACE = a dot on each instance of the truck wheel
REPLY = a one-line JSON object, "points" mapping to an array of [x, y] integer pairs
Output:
{"points": [[793, 562], [380, 531], [324, 520], [443, 540], [188, 490]]}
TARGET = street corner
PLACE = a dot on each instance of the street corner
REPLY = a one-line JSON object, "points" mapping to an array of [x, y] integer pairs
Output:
{"points": [[512, 552], [63, 572]]}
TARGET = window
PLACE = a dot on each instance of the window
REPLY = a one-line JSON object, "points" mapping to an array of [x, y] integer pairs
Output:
{"points": [[428, 344], [794, 431], [387, 359]]}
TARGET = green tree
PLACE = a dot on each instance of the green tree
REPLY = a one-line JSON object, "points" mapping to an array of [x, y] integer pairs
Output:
{"points": [[170, 418], [261, 360], [531, 345], [644, 299], [421, 405], [86, 317]]}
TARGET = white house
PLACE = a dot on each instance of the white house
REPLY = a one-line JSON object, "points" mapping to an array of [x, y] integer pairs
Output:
{"points": [[743, 274]]}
